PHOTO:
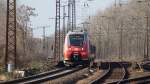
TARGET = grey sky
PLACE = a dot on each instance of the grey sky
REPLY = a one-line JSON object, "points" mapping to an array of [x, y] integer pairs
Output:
{"points": [[46, 9]]}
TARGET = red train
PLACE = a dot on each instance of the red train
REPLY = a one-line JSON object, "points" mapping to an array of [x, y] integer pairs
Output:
{"points": [[76, 48]]}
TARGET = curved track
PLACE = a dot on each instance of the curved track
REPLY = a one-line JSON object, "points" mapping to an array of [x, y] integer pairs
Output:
{"points": [[146, 66], [106, 71], [116, 72], [43, 77]]}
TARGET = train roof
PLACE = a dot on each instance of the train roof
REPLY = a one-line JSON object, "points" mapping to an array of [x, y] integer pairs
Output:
{"points": [[75, 32]]}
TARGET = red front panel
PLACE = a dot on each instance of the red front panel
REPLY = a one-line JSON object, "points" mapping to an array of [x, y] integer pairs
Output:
{"points": [[83, 52]]}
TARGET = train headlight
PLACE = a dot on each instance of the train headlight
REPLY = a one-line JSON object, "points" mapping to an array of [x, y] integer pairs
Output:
{"points": [[83, 49], [69, 49]]}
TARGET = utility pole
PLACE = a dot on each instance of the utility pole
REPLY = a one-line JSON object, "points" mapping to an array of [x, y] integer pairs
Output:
{"points": [[120, 3], [31, 38], [108, 36], [134, 19], [24, 38], [69, 16], [146, 43], [44, 41], [47, 46], [57, 33], [73, 15], [64, 21], [100, 36], [10, 55], [115, 3], [85, 25], [120, 48], [102, 50], [147, 38], [44, 35], [64, 25], [146, 55], [121, 32], [62, 34]]}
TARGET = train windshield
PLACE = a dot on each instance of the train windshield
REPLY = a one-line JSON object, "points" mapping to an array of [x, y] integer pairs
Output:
{"points": [[76, 39]]}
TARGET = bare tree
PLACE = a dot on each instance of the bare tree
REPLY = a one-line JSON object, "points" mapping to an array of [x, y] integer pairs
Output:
{"points": [[122, 31]]}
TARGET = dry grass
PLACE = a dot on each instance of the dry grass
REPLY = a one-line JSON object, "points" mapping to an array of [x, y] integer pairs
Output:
{"points": [[70, 79], [3, 77]]}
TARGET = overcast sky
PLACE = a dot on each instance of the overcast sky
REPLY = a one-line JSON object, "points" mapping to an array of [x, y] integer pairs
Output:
{"points": [[46, 9]]}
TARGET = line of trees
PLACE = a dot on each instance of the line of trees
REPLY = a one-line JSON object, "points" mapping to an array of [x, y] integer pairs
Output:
{"points": [[29, 49], [119, 32]]}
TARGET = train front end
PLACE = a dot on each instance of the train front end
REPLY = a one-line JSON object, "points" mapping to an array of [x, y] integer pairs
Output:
{"points": [[76, 48]]}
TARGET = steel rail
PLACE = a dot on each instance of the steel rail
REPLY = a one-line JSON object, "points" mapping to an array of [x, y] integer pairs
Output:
{"points": [[34, 76], [108, 74], [137, 80], [103, 75], [55, 76], [123, 77], [124, 73], [44, 77], [146, 66]]}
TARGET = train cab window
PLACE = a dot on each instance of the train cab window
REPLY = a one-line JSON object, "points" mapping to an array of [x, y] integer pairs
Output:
{"points": [[76, 39]]}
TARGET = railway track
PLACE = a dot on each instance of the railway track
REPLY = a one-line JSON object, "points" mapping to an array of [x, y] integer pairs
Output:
{"points": [[146, 66], [115, 72], [143, 79], [106, 71], [136, 80], [43, 77]]}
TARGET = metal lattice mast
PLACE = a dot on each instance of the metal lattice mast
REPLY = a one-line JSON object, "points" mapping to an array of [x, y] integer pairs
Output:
{"points": [[146, 43], [44, 39], [57, 32], [69, 16], [64, 26], [64, 21], [10, 56], [73, 14]]}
